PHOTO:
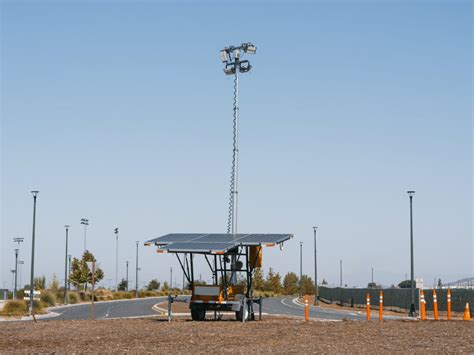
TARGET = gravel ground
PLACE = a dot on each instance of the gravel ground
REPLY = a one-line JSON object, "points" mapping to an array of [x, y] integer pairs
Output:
{"points": [[272, 335]]}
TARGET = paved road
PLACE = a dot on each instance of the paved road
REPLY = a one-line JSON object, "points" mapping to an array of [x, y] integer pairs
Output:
{"points": [[286, 306], [143, 308]]}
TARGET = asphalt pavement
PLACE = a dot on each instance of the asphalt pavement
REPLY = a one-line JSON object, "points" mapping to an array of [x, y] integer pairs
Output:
{"points": [[142, 307]]}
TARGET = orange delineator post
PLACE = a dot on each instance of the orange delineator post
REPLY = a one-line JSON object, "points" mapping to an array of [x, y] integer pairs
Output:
{"points": [[449, 304], [422, 305], [306, 308], [367, 307], [435, 305], [381, 305]]}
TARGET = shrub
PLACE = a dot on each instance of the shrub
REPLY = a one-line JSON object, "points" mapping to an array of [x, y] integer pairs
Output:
{"points": [[120, 295], [103, 295], [84, 296], [72, 297], [47, 298], [15, 308]]}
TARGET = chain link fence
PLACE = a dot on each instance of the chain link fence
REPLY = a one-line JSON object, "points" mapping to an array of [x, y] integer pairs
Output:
{"points": [[397, 299]]}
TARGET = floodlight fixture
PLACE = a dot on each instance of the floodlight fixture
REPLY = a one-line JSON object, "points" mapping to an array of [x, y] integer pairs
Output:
{"points": [[229, 69], [410, 193], [244, 66], [249, 48], [35, 193], [224, 55]]}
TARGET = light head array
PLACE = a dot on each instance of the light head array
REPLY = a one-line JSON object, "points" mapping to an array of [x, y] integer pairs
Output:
{"points": [[231, 55]]}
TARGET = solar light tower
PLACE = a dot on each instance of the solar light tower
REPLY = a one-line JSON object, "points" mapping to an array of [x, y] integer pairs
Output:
{"points": [[17, 251], [231, 57]]}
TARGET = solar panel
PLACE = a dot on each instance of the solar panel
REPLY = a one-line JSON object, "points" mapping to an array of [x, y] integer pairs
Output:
{"points": [[213, 242], [191, 247]]}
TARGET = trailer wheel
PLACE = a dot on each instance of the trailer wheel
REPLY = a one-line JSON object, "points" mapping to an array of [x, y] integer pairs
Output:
{"points": [[198, 313]]}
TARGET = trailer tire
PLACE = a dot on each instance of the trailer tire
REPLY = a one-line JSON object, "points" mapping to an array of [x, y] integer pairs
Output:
{"points": [[198, 313]]}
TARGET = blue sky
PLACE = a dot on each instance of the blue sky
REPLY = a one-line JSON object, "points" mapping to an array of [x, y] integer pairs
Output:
{"points": [[120, 113]]}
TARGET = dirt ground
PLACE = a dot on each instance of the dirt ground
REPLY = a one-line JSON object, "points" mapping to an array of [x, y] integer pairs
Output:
{"points": [[272, 335]]}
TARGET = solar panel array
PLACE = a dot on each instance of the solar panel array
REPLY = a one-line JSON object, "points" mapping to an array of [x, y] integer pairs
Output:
{"points": [[213, 242]]}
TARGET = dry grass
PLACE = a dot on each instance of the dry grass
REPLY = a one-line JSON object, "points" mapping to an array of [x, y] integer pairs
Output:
{"points": [[272, 335]]}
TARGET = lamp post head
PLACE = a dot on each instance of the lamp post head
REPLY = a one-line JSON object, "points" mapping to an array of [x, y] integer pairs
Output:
{"points": [[410, 193], [67, 226], [18, 240], [85, 221], [314, 228], [116, 230], [34, 193]]}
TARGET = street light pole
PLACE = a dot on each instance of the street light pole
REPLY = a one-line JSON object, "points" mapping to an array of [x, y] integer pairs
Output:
{"points": [[171, 277], [340, 273], [16, 273], [316, 301], [17, 251], [136, 274], [116, 258], [35, 194], [85, 222], [301, 268], [412, 267], [69, 279], [126, 264], [65, 265]]}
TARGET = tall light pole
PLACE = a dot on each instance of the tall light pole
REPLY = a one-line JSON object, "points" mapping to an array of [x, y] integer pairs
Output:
{"points": [[340, 273], [85, 222], [136, 274], [20, 271], [116, 258], [171, 277], [69, 279], [301, 268], [412, 259], [35, 194], [316, 301], [17, 251], [126, 264], [231, 57], [65, 265], [372, 276]]}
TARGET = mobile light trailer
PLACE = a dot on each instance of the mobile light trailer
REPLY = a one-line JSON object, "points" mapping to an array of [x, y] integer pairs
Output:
{"points": [[219, 250]]}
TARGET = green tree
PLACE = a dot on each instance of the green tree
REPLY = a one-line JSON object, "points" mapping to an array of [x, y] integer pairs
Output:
{"points": [[290, 284], [39, 283], [273, 281], [81, 275], [406, 284], [153, 285], [258, 280], [123, 285], [54, 284], [307, 285]]}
